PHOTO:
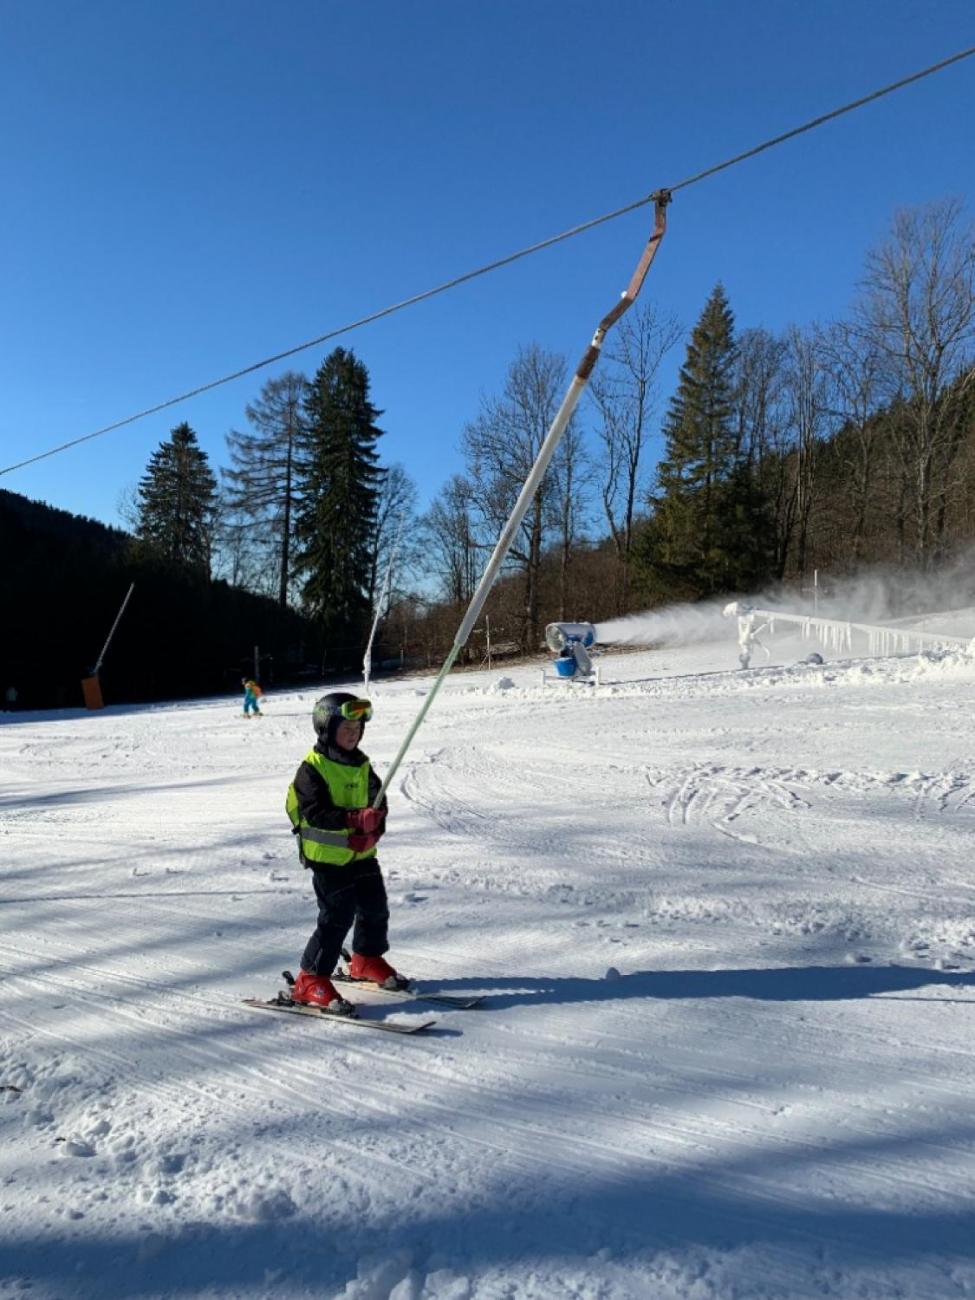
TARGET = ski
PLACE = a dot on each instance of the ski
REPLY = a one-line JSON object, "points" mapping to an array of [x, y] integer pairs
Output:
{"points": [[457, 1001], [282, 1003]]}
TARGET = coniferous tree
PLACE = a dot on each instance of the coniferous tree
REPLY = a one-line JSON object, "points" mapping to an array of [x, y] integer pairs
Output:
{"points": [[263, 480], [336, 523], [710, 530], [176, 501]]}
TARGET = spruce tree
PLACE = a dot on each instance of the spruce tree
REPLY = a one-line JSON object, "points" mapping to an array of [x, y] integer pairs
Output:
{"points": [[176, 501], [336, 522], [709, 530]]}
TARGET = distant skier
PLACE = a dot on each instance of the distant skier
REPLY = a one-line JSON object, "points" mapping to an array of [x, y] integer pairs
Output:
{"points": [[329, 804], [252, 693]]}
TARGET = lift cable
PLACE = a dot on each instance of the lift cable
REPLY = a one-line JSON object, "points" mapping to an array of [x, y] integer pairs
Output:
{"points": [[503, 261]]}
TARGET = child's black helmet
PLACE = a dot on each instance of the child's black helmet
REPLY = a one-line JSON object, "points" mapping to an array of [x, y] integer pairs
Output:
{"points": [[337, 707]]}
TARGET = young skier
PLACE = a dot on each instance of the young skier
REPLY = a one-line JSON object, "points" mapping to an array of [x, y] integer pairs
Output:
{"points": [[251, 693], [329, 804]]}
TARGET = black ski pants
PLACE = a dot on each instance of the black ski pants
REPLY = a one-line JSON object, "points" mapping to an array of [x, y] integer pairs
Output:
{"points": [[355, 894]]}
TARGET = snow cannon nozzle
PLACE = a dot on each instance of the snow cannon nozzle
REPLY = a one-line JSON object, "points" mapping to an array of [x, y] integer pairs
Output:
{"points": [[560, 635], [570, 643]]}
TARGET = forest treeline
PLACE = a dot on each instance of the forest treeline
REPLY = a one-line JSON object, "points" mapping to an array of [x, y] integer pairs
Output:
{"points": [[822, 449], [62, 585]]}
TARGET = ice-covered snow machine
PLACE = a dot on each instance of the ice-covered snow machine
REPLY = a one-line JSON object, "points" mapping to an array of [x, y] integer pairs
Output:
{"points": [[571, 643]]}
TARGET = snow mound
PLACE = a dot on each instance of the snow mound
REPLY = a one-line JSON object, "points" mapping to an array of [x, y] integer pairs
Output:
{"points": [[500, 686]]}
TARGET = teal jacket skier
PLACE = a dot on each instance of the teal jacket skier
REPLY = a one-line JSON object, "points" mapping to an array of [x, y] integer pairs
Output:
{"points": [[252, 693]]}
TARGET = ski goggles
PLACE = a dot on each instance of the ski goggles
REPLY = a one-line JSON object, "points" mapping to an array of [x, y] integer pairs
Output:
{"points": [[355, 710]]}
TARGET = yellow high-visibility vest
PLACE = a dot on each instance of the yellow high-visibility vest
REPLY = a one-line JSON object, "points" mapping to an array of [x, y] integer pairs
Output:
{"points": [[349, 787]]}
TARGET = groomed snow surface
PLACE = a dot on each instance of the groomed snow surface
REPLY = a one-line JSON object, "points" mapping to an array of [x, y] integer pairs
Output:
{"points": [[725, 920]]}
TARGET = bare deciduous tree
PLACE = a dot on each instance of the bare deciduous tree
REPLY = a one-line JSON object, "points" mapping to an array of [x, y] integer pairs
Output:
{"points": [[395, 531], [762, 433], [449, 533], [917, 308], [240, 555], [624, 393], [855, 370], [809, 416], [570, 481], [501, 446]]}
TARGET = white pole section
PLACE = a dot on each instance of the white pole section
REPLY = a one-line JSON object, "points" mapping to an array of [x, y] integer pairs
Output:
{"points": [[383, 594], [118, 616], [547, 450]]}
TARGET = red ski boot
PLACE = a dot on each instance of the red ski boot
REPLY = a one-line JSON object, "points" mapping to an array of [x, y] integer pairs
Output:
{"points": [[317, 991], [376, 970]]}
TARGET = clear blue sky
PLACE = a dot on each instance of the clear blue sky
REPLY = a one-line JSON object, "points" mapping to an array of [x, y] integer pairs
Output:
{"points": [[190, 186]]}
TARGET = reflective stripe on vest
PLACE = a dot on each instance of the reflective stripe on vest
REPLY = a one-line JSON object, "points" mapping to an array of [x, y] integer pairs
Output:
{"points": [[349, 788]]}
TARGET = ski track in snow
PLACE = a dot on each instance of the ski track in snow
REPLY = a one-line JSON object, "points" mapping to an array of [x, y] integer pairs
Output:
{"points": [[774, 1098]]}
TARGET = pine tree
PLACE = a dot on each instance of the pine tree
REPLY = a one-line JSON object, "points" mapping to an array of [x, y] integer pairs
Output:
{"points": [[263, 480], [176, 501], [336, 522], [709, 530]]}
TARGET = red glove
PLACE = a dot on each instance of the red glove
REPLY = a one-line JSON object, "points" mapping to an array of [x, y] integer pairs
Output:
{"points": [[369, 821], [359, 843]]}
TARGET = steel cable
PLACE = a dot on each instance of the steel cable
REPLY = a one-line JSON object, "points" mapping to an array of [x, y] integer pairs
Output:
{"points": [[502, 261]]}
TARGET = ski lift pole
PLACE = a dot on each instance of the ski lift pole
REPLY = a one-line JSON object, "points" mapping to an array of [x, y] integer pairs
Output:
{"points": [[547, 450], [118, 619], [90, 686], [384, 592]]}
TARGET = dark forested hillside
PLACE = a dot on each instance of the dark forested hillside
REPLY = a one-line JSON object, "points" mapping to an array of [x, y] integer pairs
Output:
{"points": [[63, 581]]}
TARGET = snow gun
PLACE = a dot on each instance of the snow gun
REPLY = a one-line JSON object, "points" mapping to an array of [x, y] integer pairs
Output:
{"points": [[570, 643]]}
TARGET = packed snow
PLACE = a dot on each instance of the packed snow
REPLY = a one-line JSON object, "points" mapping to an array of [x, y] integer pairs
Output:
{"points": [[724, 920]]}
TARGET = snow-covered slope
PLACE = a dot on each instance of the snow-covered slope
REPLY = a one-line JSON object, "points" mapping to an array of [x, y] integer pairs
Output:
{"points": [[726, 921]]}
